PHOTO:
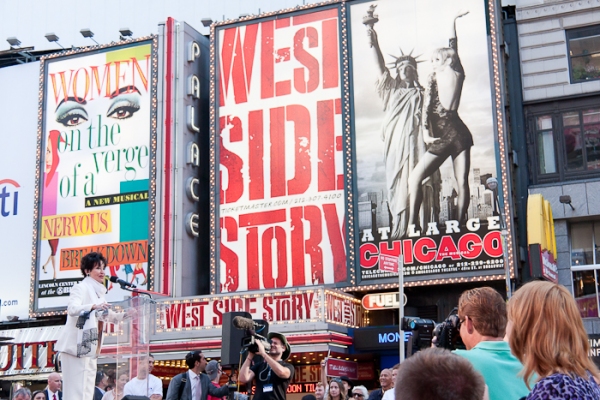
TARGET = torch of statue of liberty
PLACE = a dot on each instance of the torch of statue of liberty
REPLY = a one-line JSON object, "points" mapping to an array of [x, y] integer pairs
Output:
{"points": [[401, 131]]}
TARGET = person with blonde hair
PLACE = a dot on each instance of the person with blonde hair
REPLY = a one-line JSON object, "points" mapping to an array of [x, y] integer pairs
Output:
{"points": [[337, 390], [546, 333]]}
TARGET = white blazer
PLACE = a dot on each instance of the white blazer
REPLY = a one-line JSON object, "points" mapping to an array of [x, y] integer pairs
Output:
{"points": [[79, 300]]}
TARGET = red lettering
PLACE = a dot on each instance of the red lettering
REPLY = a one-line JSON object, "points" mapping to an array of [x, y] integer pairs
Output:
{"points": [[50, 353], [331, 67], [301, 84], [277, 233], [312, 214], [255, 155], [9, 358], [447, 249], [336, 240], [267, 63], [390, 251], [174, 314], [369, 255], [237, 64], [194, 316], [232, 163], [408, 251], [424, 250], [268, 314], [229, 230], [300, 116], [492, 243], [277, 135], [469, 245], [218, 317], [326, 151]]}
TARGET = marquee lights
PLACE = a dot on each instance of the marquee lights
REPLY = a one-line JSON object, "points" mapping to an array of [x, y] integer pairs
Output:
{"points": [[499, 107], [278, 307]]}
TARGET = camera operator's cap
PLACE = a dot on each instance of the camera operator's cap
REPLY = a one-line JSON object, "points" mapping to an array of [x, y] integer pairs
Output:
{"points": [[279, 336], [212, 369]]}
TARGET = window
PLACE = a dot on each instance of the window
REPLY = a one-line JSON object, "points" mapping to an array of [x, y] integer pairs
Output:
{"points": [[565, 143], [584, 53], [545, 140], [585, 266]]}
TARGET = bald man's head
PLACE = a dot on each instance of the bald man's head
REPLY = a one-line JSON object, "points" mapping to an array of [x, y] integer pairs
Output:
{"points": [[54, 382], [385, 379]]}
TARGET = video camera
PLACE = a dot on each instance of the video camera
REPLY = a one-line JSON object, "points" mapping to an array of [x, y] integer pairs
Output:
{"points": [[250, 339], [447, 334], [422, 332]]}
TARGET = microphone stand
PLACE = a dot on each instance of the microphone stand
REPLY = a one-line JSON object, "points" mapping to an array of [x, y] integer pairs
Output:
{"points": [[140, 292]]}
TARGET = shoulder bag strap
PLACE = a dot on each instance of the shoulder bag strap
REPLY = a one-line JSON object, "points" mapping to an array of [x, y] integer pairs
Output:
{"points": [[182, 384]]}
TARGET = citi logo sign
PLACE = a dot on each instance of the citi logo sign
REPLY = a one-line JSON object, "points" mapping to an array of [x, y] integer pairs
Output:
{"points": [[9, 197]]}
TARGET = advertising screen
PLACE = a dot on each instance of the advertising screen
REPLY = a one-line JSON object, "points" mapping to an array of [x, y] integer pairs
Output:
{"points": [[281, 202], [425, 142], [18, 110], [95, 168]]}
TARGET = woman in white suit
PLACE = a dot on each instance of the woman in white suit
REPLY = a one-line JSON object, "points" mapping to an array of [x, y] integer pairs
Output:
{"points": [[79, 347]]}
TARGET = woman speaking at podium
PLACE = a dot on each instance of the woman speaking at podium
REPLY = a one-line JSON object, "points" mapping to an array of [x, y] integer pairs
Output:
{"points": [[81, 337]]}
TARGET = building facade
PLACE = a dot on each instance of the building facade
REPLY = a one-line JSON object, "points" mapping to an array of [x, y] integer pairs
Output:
{"points": [[559, 46]]}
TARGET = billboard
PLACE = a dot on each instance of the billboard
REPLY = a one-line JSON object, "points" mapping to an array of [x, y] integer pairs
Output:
{"points": [[97, 143], [425, 142], [278, 133], [18, 109]]}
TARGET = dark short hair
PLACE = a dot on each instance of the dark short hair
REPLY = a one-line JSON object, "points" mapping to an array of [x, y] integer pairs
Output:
{"points": [[90, 260], [99, 376], [309, 397], [486, 308], [192, 357], [436, 373]]}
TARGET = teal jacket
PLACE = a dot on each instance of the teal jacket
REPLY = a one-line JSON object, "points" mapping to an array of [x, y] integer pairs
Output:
{"points": [[500, 369]]}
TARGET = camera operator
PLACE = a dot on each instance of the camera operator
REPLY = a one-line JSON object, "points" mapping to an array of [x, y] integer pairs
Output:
{"points": [[482, 314], [273, 375]]}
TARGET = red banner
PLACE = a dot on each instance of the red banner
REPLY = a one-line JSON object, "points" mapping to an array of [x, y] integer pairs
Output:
{"points": [[282, 203], [337, 367]]}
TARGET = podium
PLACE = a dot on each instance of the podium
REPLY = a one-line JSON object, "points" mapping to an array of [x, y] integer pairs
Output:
{"points": [[127, 343]]}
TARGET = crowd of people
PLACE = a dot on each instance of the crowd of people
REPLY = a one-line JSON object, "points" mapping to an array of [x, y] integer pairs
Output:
{"points": [[532, 347]]}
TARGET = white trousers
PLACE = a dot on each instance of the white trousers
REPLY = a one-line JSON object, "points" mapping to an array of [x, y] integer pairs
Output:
{"points": [[79, 377]]}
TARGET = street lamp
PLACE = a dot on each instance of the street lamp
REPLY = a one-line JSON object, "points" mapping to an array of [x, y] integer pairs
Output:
{"points": [[51, 37], [13, 41], [87, 33], [125, 33], [492, 184]]}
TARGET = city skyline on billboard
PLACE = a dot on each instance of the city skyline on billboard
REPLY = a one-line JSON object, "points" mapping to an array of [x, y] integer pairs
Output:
{"points": [[95, 168], [424, 140], [280, 169]]}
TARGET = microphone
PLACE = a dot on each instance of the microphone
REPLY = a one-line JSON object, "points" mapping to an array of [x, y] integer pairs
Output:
{"points": [[245, 323], [121, 282]]}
